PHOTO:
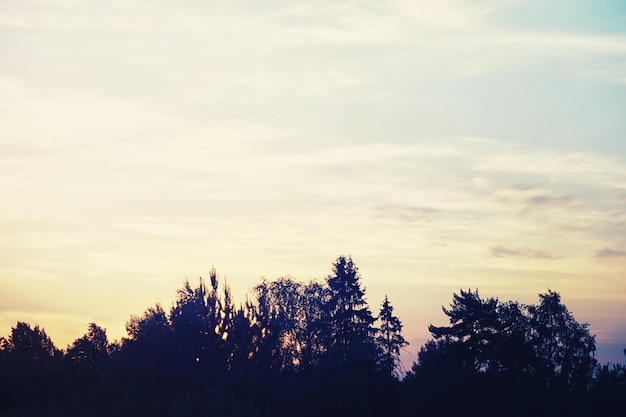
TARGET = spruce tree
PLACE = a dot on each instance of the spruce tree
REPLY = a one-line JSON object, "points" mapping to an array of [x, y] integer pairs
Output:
{"points": [[389, 340], [350, 319]]}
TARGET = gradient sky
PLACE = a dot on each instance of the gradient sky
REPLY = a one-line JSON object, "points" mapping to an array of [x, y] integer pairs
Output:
{"points": [[444, 145]]}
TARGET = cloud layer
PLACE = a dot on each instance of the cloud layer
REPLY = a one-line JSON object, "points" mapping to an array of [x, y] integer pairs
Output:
{"points": [[448, 145]]}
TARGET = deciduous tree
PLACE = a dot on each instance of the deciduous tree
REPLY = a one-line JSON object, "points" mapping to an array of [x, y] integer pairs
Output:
{"points": [[563, 348], [90, 353]]}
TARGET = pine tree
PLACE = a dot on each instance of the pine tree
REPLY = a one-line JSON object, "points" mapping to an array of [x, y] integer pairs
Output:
{"points": [[389, 340], [195, 319], [350, 319]]}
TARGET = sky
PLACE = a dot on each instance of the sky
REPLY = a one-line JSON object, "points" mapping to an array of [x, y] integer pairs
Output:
{"points": [[443, 145]]}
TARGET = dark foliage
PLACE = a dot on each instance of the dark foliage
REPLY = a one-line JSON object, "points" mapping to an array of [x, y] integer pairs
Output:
{"points": [[350, 321], [389, 340], [312, 349], [521, 360]]}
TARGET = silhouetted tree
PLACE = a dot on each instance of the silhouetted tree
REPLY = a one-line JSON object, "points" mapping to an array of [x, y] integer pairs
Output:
{"points": [[350, 320], [227, 312], [317, 336], [148, 351], [196, 323], [153, 323], [4, 350], [610, 375], [309, 349], [543, 343], [30, 347], [389, 340], [29, 367], [432, 356], [510, 350], [563, 348], [245, 342], [474, 322], [293, 318], [609, 389], [90, 353], [278, 320]]}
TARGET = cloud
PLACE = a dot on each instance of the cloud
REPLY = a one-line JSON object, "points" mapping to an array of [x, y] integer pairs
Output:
{"points": [[450, 14], [506, 252], [545, 201], [607, 253], [582, 168], [407, 213], [600, 44]]}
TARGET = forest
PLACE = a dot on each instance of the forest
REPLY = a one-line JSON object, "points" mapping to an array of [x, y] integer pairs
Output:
{"points": [[314, 348]]}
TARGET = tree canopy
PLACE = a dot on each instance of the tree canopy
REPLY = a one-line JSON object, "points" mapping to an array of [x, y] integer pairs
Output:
{"points": [[540, 343], [312, 348]]}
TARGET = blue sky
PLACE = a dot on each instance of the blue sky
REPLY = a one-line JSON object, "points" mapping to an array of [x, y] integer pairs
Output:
{"points": [[444, 145]]}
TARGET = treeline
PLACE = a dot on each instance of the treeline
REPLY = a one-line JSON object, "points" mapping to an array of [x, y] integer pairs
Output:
{"points": [[310, 349]]}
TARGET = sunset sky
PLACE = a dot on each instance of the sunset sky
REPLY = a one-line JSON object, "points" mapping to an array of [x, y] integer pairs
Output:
{"points": [[444, 145]]}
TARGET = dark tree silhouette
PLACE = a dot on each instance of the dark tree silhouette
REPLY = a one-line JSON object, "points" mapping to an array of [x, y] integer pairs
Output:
{"points": [[227, 313], [563, 348], [293, 314], [543, 344], [244, 341], [153, 323], [389, 340], [316, 337], [609, 388], [31, 348], [29, 367], [511, 351], [149, 351], [432, 357], [474, 322], [350, 319], [4, 352], [280, 316], [310, 349], [196, 325], [90, 353]]}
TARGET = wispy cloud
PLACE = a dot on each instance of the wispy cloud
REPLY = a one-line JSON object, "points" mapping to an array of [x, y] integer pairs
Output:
{"points": [[141, 141], [607, 253], [408, 213], [543, 201], [547, 200], [505, 252], [591, 168]]}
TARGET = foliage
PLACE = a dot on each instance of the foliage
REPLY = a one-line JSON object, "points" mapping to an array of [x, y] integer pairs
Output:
{"points": [[293, 316], [312, 348], [31, 347], [389, 340], [563, 348], [89, 353], [539, 343], [350, 321]]}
